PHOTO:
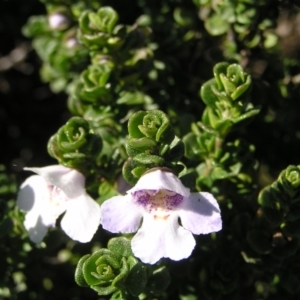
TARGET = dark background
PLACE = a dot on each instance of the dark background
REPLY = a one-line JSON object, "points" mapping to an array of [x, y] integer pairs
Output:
{"points": [[29, 112]]}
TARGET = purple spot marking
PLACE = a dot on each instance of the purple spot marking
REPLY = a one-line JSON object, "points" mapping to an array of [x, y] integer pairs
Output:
{"points": [[174, 201], [142, 198]]}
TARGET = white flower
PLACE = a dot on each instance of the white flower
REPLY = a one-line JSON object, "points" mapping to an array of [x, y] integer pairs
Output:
{"points": [[160, 199], [57, 189]]}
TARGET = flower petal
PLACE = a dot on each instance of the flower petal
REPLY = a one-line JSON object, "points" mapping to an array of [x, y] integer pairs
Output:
{"points": [[33, 188], [81, 219], [34, 197], [162, 238], [120, 215], [160, 180], [35, 227], [70, 181], [200, 213]]}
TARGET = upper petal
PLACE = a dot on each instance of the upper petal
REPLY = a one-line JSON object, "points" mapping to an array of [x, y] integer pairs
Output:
{"points": [[160, 180], [162, 238], [82, 218], [120, 215], [70, 181], [200, 213]]}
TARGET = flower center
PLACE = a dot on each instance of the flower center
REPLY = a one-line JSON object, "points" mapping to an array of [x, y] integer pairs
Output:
{"points": [[159, 203], [57, 196]]}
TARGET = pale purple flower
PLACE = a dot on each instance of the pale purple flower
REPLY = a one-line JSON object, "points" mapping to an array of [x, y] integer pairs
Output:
{"points": [[160, 200], [55, 190]]}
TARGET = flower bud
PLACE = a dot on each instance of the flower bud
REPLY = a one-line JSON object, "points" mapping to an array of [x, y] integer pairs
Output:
{"points": [[58, 21], [72, 42]]}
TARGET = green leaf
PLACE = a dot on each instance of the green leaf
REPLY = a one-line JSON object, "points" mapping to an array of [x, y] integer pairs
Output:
{"points": [[106, 190], [215, 25], [123, 295], [104, 291], [137, 279], [240, 90], [95, 42], [133, 98], [228, 86], [159, 280], [271, 40], [77, 156], [129, 171], [223, 126], [236, 74], [192, 149], [108, 19], [249, 114], [84, 21], [220, 68], [120, 246], [90, 265], [139, 171], [219, 173], [123, 271], [79, 277], [142, 144], [133, 124], [148, 159], [207, 94], [152, 124], [290, 180], [176, 150]]}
